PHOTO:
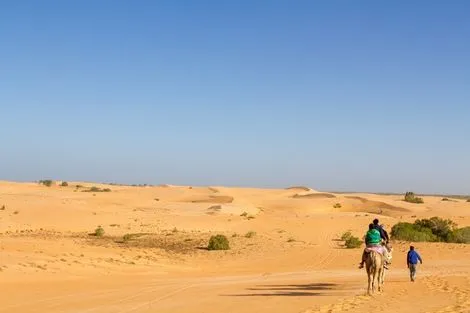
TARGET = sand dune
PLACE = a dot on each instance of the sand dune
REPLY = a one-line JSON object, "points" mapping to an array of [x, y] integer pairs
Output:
{"points": [[318, 195], [285, 255], [299, 188]]}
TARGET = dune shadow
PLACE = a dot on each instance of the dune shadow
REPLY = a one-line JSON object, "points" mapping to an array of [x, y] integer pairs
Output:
{"points": [[303, 290]]}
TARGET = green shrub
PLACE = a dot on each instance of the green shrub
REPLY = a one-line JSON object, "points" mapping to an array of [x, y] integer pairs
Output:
{"points": [[96, 189], [412, 232], [352, 242], [441, 228], [99, 231], [46, 182], [64, 184], [218, 242], [460, 235], [410, 197], [346, 236]]}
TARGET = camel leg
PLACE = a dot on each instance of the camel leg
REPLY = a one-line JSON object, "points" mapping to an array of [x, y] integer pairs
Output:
{"points": [[379, 278], [369, 284], [374, 277], [382, 278]]}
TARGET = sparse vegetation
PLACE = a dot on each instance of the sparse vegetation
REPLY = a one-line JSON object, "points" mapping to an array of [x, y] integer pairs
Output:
{"points": [[411, 232], [352, 242], [468, 200], [250, 234], [346, 236], [412, 198], [175, 230], [434, 229], [445, 199], [96, 189], [99, 232], [461, 235], [218, 242], [291, 240], [3, 208], [337, 206], [46, 182], [244, 214], [16, 212], [64, 184]]}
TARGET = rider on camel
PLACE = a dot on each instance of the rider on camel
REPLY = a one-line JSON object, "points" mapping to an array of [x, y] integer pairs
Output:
{"points": [[372, 239], [383, 233]]}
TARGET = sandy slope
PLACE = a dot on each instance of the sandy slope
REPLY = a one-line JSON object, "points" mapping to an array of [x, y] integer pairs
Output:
{"points": [[293, 262]]}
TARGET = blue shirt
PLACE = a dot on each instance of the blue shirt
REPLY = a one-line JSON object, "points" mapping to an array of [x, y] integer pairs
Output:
{"points": [[413, 257]]}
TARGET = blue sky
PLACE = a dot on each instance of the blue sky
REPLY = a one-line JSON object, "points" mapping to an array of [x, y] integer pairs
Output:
{"points": [[337, 95]]}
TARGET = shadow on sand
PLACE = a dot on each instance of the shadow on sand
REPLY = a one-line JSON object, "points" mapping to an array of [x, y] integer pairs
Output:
{"points": [[306, 290]]}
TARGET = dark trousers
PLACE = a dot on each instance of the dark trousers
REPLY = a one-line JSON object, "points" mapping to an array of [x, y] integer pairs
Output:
{"points": [[412, 268]]}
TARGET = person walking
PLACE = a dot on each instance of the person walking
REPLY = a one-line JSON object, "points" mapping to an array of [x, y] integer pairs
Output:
{"points": [[412, 259]]}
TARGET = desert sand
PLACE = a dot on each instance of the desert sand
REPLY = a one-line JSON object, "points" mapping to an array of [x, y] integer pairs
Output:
{"points": [[285, 253]]}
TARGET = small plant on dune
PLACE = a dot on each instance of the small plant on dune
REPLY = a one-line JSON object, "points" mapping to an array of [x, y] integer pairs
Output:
{"points": [[250, 234], [291, 240], [244, 214], [99, 231], [175, 230], [352, 242], [337, 206], [3, 208], [412, 198], [64, 184], [218, 242], [468, 200], [46, 182], [96, 189], [445, 199], [346, 236]]}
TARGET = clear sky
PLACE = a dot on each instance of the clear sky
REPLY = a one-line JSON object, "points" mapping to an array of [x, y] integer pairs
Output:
{"points": [[336, 95]]}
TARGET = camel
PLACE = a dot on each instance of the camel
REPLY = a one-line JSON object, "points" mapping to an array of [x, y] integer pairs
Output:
{"points": [[375, 262]]}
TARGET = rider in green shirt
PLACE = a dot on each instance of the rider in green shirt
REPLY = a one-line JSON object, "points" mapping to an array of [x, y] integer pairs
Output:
{"points": [[372, 239]]}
